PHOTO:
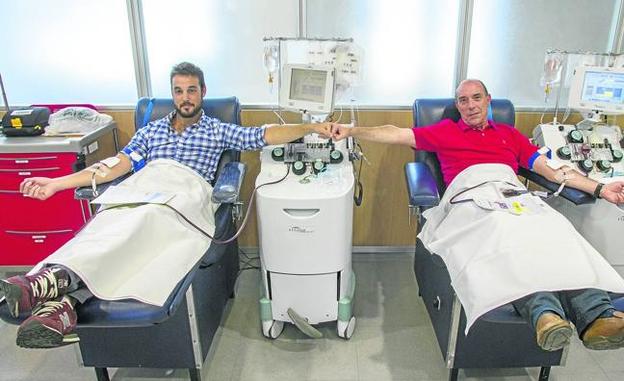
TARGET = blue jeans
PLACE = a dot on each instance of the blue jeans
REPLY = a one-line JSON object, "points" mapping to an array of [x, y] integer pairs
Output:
{"points": [[581, 307]]}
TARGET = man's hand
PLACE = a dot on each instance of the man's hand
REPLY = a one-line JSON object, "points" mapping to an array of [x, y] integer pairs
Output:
{"points": [[40, 188], [340, 131], [323, 129], [613, 192]]}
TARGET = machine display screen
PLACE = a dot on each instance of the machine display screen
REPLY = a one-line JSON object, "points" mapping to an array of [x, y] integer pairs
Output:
{"points": [[308, 85], [605, 87]]}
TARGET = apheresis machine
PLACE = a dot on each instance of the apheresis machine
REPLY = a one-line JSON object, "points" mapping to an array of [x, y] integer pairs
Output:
{"points": [[593, 148], [305, 215]]}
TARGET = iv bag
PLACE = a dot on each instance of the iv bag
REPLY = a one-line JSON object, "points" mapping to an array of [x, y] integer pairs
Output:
{"points": [[552, 69], [271, 58], [271, 61]]}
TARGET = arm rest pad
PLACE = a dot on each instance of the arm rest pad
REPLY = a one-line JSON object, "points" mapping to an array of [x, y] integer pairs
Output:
{"points": [[227, 187], [421, 186], [578, 197], [224, 229]]}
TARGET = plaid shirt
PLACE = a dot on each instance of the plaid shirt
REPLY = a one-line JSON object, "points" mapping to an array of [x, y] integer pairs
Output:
{"points": [[199, 146]]}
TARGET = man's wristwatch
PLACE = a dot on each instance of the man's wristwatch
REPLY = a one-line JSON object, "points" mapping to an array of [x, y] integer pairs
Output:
{"points": [[598, 190]]}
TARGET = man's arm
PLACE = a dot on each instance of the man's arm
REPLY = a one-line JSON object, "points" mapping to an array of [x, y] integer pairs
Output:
{"points": [[612, 192], [44, 187], [280, 134], [383, 134]]}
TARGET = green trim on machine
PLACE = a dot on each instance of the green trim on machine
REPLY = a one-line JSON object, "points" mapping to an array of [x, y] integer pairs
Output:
{"points": [[266, 313], [345, 304]]}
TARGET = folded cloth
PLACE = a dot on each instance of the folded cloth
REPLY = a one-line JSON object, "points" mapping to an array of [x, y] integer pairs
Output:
{"points": [[76, 120]]}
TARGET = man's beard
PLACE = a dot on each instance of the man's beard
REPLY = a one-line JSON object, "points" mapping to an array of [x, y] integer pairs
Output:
{"points": [[190, 114]]}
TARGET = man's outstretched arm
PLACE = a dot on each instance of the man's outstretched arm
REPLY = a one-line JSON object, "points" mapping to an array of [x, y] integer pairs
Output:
{"points": [[612, 192], [382, 134], [44, 187], [280, 134]]}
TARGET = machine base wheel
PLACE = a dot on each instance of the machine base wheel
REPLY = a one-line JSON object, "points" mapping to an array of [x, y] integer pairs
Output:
{"points": [[272, 328], [346, 328]]}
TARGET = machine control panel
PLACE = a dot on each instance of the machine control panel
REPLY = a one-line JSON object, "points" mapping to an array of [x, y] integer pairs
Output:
{"points": [[315, 153], [307, 152], [596, 151]]}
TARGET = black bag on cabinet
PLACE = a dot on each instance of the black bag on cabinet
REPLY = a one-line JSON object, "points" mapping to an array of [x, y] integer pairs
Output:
{"points": [[25, 122]]}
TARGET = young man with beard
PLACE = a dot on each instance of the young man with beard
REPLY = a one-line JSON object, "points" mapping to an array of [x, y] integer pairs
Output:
{"points": [[188, 136]]}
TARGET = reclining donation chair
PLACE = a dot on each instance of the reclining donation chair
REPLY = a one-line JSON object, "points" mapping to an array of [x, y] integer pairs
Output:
{"points": [[129, 333], [500, 338]]}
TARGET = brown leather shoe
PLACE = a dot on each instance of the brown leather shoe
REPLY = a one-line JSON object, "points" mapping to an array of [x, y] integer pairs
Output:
{"points": [[553, 332], [605, 333]]}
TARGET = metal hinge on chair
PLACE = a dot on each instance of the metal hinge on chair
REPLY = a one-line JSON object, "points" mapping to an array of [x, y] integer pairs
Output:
{"points": [[413, 210], [238, 211], [453, 333]]}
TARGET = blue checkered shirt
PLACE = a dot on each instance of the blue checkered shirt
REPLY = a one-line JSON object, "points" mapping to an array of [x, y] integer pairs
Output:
{"points": [[199, 146]]}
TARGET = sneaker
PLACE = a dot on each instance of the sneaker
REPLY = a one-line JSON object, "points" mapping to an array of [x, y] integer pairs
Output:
{"points": [[25, 292], [605, 333], [553, 332], [51, 325]]}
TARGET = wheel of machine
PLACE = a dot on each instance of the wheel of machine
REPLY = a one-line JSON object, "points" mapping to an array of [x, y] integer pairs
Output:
{"points": [[298, 167], [603, 165], [278, 154], [586, 165], [272, 330], [345, 329], [318, 167], [335, 157], [575, 136], [564, 153], [276, 329]]}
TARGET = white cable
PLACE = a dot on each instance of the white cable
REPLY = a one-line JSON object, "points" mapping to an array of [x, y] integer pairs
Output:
{"points": [[560, 189], [339, 116], [279, 117]]}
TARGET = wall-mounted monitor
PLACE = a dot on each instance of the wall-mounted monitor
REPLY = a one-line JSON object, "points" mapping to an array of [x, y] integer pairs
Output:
{"points": [[308, 88], [595, 88]]}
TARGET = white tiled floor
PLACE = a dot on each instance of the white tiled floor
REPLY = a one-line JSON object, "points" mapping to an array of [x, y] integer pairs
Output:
{"points": [[393, 340]]}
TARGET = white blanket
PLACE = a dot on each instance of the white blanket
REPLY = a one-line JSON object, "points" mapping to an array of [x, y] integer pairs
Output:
{"points": [[142, 252], [495, 257]]}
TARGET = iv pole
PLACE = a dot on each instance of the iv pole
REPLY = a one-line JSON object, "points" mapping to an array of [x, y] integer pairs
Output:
{"points": [[306, 117], [4, 97]]}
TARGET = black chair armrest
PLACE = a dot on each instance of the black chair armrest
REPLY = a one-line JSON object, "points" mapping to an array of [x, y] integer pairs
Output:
{"points": [[224, 229], [421, 185], [86, 193], [576, 196], [227, 187]]}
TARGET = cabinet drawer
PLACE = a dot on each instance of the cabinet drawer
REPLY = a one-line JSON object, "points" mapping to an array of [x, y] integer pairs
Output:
{"points": [[10, 179], [58, 212], [27, 248], [37, 160]]}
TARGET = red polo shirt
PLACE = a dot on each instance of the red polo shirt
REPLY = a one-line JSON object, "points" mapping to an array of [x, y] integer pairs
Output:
{"points": [[459, 146]]}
